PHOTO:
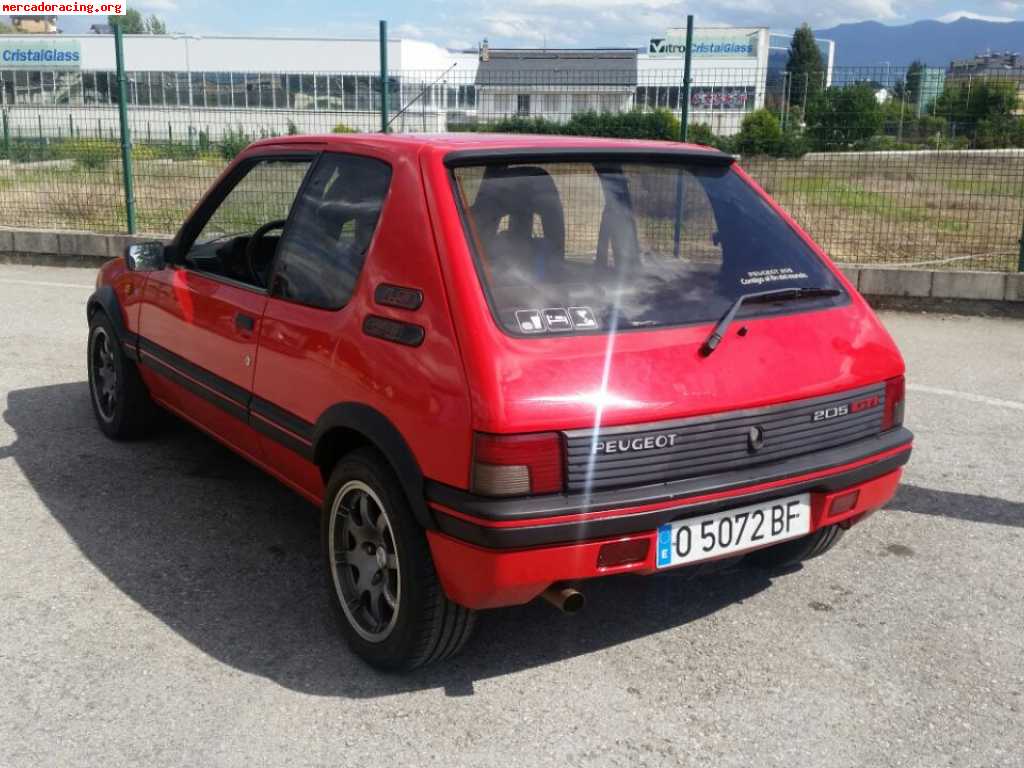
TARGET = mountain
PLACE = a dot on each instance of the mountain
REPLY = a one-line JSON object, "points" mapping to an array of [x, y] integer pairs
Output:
{"points": [[868, 43]]}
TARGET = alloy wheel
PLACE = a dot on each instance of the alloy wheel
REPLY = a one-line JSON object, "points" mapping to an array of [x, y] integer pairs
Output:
{"points": [[104, 374], [364, 561]]}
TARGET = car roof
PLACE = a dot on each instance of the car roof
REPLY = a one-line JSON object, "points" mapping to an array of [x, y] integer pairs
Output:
{"points": [[469, 141]]}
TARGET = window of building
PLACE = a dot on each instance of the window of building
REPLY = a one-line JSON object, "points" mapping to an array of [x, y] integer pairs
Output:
{"points": [[523, 104], [323, 249]]}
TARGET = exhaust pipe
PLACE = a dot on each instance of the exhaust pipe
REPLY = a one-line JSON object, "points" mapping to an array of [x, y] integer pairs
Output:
{"points": [[565, 599]]}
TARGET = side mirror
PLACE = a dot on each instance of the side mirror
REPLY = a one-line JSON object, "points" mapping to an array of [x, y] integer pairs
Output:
{"points": [[145, 257]]}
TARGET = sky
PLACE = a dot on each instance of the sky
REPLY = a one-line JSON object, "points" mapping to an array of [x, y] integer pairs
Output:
{"points": [[529, 23]]}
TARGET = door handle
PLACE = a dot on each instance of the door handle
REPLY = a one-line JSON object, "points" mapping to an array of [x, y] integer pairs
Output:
{"points": [[245, 323]]}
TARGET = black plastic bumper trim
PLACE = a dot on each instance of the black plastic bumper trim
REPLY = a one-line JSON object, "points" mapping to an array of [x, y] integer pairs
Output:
{"points": [[551, 505], [565, 533]]}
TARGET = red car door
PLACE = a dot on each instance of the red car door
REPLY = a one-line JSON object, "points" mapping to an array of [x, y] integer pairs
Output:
{"points": [[200, 320], [199, 334]]}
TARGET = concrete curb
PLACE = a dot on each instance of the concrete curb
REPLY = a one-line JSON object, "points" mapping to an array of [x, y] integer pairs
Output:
{"points": [[63, 249], [924, 287], [945, 286]]}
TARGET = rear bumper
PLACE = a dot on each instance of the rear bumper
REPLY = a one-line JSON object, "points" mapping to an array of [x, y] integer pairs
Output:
{"points": [[508, 559]]}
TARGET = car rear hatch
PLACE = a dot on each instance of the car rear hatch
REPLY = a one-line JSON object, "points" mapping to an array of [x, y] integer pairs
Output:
{"points": [[589, 282]]}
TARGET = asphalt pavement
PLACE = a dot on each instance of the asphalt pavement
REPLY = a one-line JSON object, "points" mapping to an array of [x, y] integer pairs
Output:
{"points": [[161, 604]]}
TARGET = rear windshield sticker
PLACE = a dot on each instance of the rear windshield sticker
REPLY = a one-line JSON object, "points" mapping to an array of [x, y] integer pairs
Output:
{"points": [[529, 321], [557, 319], [774, 275], [583, 318]]}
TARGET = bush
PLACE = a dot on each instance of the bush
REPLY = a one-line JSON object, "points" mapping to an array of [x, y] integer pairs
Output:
{"points": [[660, 124], [233, 143], [293, 129], [91, 154], [760, 134], [342, 128], [702, 134], [22, 151]]}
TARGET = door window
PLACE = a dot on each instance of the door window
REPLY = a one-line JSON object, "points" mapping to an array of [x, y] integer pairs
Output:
{"points": [[239, 239], [329, 234]]}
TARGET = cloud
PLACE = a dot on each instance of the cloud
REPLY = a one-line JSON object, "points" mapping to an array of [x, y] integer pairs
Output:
{"points": [[954, 15]]}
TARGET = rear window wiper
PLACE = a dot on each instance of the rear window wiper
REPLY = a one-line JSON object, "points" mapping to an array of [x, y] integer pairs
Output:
{"points": [[779, 294]]}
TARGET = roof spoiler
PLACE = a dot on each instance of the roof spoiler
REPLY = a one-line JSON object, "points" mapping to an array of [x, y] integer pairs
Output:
{"points": [[669, 154]]}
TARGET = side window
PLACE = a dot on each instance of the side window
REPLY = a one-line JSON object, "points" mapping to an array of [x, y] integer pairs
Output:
{"points": [[323, 250], [240, 237]]}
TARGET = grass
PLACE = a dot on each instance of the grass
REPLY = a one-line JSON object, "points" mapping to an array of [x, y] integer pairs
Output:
{"points": [[960, 211], [989, 187], [821, 191]]}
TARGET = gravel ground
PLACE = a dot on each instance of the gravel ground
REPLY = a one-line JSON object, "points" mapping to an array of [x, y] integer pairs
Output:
{"points": [[161, 604]]}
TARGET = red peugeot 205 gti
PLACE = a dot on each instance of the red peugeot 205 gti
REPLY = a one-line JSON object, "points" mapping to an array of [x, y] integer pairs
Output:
{"points": [[503, 365]]}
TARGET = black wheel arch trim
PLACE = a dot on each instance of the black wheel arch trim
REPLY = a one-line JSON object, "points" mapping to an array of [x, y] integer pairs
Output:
{"points": [[386, 438], [105, 298], [554, 534]]}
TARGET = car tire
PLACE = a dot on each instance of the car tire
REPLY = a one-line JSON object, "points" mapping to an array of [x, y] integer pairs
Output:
{"points": [[390, 605], [790, 553], [120, 400]]}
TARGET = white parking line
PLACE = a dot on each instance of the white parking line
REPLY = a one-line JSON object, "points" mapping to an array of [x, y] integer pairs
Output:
{"points": [[45, 284], [1011, 404]]}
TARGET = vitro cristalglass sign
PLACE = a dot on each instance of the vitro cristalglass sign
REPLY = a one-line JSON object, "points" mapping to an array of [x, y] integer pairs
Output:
{"points": [[707, 43], [40, 54]]}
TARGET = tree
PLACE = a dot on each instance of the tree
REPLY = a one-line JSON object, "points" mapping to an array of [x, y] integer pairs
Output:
{"points": [[805, 68], [840, 118], [6, 29], [914, 81], [982, 108], [155, 26], [132, 23]]}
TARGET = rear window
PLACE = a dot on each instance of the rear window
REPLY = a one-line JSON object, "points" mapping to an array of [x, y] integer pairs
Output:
{"points": [[566, 247]]}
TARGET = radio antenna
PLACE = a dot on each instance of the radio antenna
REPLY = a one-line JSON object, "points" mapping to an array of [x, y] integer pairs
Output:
{"points": [[417, 97]]}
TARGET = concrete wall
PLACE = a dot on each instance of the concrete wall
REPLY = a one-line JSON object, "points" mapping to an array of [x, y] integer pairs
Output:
{"points": [[63, 249], [927, 284]]}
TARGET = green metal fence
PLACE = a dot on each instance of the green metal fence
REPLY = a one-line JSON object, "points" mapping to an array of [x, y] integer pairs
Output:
{"points": [[878, 171]]}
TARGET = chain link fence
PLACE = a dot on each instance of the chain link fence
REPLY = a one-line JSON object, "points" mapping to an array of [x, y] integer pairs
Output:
{"points": [[883, 166]]}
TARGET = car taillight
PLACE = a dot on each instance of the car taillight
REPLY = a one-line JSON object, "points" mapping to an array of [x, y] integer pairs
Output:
{"points": [[516, 465], [895, 397]]}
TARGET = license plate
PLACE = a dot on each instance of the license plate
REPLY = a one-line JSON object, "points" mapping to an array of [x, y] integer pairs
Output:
{"points": [[733, 531]]}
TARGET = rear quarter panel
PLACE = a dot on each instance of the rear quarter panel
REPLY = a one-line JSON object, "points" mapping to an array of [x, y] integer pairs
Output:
{"points": [[310, 359]]}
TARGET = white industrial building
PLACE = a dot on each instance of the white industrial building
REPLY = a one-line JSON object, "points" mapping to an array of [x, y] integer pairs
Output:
{"points": [[191, 83]]}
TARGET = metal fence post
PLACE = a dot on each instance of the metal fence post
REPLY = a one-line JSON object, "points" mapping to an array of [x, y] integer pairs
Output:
{"points": [[383, 76], [126, 139], [7, 136], [684, 127]]}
